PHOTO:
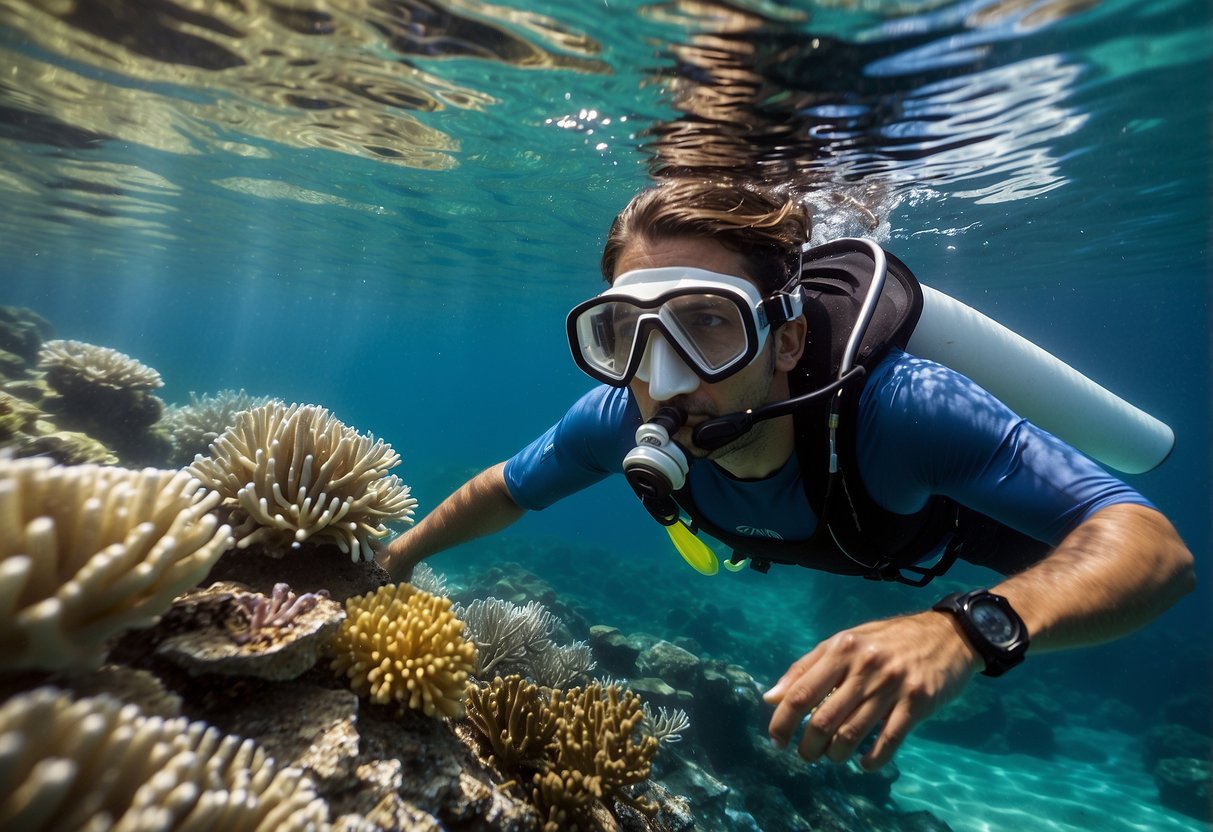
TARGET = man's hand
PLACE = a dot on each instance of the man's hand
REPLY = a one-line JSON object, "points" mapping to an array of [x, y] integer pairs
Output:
{"points": [[892, 674], [398, 565]]}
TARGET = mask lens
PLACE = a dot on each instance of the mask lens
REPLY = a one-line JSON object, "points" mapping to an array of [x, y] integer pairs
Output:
{"points": [[710, 326], [605, 333], [712, 330]]}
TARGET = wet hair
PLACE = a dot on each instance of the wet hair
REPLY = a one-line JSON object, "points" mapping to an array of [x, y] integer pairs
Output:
{"points": [[761, 223]]}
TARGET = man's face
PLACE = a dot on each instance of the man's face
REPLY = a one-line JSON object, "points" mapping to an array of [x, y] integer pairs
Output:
{"points": [[747, 388]]}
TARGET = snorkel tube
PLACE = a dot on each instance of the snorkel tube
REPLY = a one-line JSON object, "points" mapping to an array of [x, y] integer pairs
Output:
{"points": [[655, 469]]}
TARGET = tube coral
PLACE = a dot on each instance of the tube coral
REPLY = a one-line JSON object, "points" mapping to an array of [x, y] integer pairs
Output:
{"points": [[89, 552], [296, 474], [97, 764]]}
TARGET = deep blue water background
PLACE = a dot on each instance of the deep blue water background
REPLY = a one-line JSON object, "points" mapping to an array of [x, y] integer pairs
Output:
{"points": [[426, 306]]}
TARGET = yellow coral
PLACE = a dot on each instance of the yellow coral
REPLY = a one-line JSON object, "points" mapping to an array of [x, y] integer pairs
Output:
{"points": [[401, 644]]}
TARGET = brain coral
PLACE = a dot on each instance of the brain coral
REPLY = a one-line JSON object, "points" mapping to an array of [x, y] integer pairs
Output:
{"points": [[96, 764], [70, 364], [294, 474], [400, 644], [88, 552]]}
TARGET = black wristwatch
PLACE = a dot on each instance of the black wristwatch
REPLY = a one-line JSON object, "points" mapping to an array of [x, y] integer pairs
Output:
{"points": [[990, 624]]}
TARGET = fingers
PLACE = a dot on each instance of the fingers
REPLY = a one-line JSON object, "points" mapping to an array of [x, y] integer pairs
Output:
{"points": [[800, 667], [799, 697], [896, 728]]}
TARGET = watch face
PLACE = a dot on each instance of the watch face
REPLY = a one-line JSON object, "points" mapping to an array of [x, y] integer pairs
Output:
{"points": [[992, 622]]}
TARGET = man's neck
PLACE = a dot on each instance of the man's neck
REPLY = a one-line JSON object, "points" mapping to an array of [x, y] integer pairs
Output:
{"points": [[762, 452]]}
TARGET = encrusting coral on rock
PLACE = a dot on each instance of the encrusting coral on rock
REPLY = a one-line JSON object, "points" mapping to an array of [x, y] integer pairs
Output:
{"points": [[294, 474], [89, 552], [96, 764], [231, 630], [400, 644]]}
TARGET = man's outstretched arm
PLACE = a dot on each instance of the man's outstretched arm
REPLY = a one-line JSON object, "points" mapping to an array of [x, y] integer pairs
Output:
{"points": [[480, 507], [1114, 573]]}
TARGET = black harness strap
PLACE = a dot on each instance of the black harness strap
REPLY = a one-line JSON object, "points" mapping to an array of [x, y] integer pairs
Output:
{"points": [[854, 535]]}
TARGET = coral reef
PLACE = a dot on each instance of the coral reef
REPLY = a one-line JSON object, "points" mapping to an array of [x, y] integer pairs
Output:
{"points": [[513, 639], [296, 474], [194, 426], [96, 764], [400, 644], [22, 332], [90, 552], [105, 394]]}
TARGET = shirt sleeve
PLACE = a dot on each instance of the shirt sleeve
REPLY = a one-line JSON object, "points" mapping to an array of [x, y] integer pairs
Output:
{"points": [[925, 429], [585, 446]]}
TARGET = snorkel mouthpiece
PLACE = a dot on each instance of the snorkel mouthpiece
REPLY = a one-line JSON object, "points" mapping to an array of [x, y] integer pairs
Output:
{"points": [[657, 467]]}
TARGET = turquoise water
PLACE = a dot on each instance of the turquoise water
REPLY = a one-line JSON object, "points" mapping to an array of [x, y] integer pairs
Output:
{"points": [[387, 208]]}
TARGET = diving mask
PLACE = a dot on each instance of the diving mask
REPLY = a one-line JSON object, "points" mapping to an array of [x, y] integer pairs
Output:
{"points": [[716, 323]]}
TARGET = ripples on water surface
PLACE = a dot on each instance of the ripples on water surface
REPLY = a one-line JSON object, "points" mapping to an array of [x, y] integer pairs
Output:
{"points": [[136, 126]]}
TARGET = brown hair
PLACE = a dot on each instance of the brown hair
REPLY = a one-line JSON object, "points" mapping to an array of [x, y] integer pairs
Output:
{"points": [[763, 224]]}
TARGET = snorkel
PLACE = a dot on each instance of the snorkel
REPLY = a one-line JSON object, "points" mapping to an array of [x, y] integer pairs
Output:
{"points": [[656, 468]]}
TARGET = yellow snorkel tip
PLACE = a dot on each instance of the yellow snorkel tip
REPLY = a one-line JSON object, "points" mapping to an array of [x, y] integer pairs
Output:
{"points": [[693, 550]]}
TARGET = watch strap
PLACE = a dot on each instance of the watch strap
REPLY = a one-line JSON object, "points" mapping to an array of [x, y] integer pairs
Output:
{"points": [[998, 658]]}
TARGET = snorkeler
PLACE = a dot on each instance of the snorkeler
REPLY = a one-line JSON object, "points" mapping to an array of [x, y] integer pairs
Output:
{"points": [[762, 393]]}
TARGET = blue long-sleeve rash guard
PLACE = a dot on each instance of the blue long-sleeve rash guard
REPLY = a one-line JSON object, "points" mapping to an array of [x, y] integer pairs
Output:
{"points": [[923, 430]]}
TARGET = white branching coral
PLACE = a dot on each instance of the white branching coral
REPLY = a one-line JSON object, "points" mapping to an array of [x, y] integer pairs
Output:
{"points": [[194, 426], [89, 551], [98, 764], [665, 725], [92, 365], [512, 639], [292, 474]]}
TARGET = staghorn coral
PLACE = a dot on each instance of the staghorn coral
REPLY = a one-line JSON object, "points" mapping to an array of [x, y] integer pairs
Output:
{"points": [[518, 640], [566, 800], [194, 426], [517, 719], [599, 735], [400, 644], [582, 747], [89, 552], [295, 474], [97, 764], [71, 365]]}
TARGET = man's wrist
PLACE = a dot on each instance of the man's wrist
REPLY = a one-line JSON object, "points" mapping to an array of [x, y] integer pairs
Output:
{"points": [[964, 648]]}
